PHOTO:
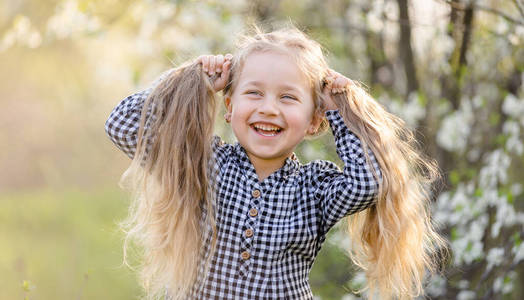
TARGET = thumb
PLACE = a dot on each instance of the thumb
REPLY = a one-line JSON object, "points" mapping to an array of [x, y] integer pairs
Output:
{"points": [[226, 69]]}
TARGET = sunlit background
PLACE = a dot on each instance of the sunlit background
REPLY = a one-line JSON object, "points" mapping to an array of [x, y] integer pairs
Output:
{"points": [[453, 70]]}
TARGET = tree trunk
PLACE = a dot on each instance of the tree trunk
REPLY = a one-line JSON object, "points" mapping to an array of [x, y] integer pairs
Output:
{"points": [[405, 49]]}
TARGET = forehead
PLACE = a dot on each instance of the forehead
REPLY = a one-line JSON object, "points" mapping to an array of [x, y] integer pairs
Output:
{"points": [[273, 68]]}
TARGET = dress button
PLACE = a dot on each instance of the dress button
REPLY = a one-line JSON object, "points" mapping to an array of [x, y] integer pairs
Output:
{"points": [[245, 255], [249, 232], [256, 193], [253, 212]]}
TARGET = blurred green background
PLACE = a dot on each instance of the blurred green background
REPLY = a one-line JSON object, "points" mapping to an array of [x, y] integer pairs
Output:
{"points": [[453, 70]]}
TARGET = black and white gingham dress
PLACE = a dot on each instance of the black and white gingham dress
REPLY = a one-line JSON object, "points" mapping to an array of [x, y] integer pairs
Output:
{"points": [[270, 231]]}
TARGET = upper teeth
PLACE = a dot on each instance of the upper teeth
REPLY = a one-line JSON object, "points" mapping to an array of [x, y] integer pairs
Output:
{"points": [[266, 127]]}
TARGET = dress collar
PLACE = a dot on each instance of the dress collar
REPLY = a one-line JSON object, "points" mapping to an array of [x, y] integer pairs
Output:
{"points": [[291, 164]]}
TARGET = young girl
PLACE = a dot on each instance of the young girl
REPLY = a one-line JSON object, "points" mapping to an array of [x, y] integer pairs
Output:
{"points": [[246, 221]]}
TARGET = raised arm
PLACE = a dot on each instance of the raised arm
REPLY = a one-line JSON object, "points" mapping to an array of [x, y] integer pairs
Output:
{"points": [[123, 122], [341, 193]]}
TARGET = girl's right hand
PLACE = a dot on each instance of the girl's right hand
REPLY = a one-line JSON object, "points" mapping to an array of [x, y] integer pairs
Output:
{"points": [[218, 65]]}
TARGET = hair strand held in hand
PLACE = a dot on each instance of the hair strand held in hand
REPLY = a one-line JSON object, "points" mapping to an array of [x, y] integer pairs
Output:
{"points": [[393, 241], [169, 178]]}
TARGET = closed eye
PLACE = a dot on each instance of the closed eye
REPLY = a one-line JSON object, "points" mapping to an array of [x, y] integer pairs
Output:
{"points": [[289, 97], [253, 93]]}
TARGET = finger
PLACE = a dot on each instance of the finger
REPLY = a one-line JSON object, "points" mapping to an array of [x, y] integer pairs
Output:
{"points": [[229, 56], [212, 65], [226, 68], [224, 77], [205, 63], [221, 80], [219, 63]]}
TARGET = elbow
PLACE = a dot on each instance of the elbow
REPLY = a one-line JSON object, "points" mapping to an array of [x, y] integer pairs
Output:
{"points": [[110, 128], [368, 187]]}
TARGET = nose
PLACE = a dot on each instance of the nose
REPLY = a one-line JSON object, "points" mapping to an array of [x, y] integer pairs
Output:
{"points": [[268, 106]]}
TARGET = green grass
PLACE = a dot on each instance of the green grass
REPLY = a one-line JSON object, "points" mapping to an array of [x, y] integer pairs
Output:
{"points": [[64, 245]]}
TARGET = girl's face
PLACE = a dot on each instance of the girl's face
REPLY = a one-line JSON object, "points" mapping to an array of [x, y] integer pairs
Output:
{"points": [[271, 108]]}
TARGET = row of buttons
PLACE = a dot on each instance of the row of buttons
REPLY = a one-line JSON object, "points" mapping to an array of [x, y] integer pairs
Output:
{"points": [[249, 232]]}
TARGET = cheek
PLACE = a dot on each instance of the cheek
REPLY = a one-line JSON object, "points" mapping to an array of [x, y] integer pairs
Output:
{"points": [[239, 112], [240, 115], [300, 120]]}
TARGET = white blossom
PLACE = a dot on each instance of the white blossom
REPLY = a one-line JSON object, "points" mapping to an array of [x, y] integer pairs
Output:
{"points": [[516, 189], [473, 154], [22, 33], [495, 170], [69, 20], [466, 295], [514, 143], [513, 106], [456, 127], [358, 282], [505, 216], [463, 284], [411, 111], [518, 251], [504, 284], [495, 257], [437, 286]]}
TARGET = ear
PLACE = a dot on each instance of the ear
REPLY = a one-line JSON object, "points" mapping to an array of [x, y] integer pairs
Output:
{"points": [[315, 123], [228, 104]]}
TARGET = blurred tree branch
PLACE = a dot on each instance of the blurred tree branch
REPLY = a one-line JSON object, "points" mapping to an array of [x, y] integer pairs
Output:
{"points": [[460, 29], [405, 48], [520, 6], [461, 6]]}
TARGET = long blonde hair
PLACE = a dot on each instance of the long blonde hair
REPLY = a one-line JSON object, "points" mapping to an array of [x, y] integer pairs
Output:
{"points": [[169, 179], [393, 241]]}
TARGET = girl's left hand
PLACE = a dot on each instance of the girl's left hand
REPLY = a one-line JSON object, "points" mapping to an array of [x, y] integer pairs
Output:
{"points": [[336, 83]]}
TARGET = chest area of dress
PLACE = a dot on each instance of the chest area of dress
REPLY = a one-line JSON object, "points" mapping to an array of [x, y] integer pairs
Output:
{"points": [[277, 215]]}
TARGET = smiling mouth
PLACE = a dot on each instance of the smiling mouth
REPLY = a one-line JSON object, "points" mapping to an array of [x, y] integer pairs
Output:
{"points": [[266, 130]]}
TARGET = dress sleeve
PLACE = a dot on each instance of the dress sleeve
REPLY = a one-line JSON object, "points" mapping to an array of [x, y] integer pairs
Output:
{"points": [[124, 121], [341, 193]]}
